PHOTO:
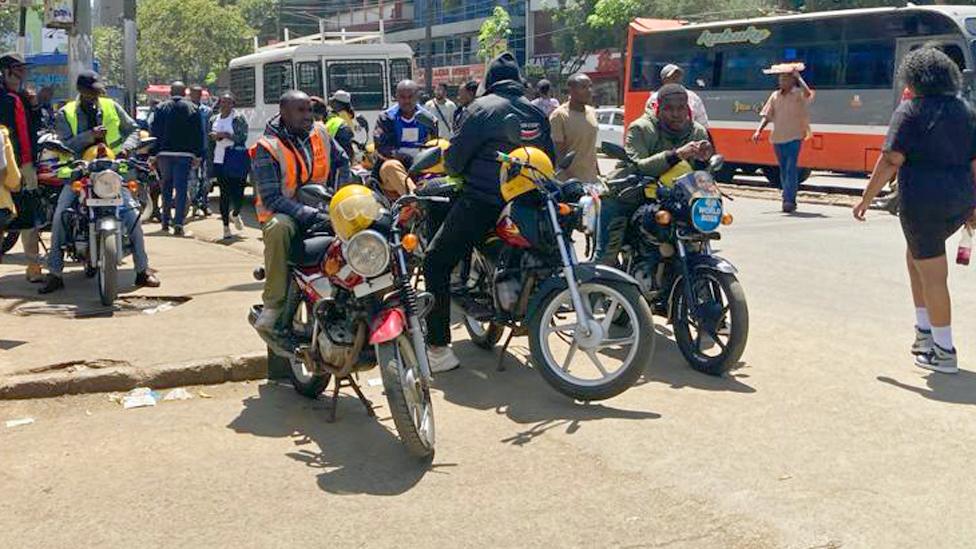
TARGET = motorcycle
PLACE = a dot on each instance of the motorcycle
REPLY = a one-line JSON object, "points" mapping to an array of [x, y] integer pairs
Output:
{"points": [[352, 308], [95, 233], [526, 277], [667, 249]]}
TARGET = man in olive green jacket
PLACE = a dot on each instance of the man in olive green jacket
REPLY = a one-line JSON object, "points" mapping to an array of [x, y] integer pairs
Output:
{"points": [[659, 140]]}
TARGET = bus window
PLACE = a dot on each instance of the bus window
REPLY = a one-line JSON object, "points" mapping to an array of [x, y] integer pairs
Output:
{"points": [[742, 68], [310, 77], [278, 78], [955, 53], [870, 65], [242, 86], [362, 79], [399, 70]]}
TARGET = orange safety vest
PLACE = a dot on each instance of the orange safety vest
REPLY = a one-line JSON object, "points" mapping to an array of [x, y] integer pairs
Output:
{"points": [[291, 164]]}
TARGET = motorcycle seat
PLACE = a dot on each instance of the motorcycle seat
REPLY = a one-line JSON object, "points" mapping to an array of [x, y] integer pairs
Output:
{"points": [[313, 250]]}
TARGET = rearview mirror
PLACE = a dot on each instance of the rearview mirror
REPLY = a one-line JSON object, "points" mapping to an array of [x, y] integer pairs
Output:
{"points": [[512, 128], [565, 161], [427, 121], [363, 123], [426, 159], [715, 163], [614, 151]]}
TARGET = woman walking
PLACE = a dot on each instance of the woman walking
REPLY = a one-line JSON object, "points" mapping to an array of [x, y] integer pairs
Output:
{"points": [[228, 134], [788, 108], [932, 148]]}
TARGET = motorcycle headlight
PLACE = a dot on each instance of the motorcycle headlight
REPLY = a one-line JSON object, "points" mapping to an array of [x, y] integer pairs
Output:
{"points": [[107, 184], [367, 253], [589, 207]]}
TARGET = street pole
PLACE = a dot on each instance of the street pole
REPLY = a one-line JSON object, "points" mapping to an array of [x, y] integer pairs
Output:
{"points": [[129, 53], [79, 44], [429, 73], [22, 34]]}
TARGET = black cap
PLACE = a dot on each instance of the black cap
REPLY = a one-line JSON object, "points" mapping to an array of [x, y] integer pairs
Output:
{"points": [[12, 59], [89, 80]]}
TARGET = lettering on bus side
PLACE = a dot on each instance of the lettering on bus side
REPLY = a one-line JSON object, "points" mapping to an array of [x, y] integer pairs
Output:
{"points": [[750, 35]]}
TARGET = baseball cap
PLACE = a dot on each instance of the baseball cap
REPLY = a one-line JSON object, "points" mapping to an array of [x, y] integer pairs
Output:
{"points": [[341, 96], [89, 80], [12, 59], [669, 70]]}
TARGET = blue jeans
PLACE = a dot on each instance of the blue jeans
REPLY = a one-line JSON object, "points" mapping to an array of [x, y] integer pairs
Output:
{"points": [[130, 221], [789, 173], [174, 175]]}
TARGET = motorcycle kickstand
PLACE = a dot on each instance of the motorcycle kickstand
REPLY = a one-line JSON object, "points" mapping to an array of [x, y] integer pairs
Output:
{"points": [[501, 356], [348, 381]]}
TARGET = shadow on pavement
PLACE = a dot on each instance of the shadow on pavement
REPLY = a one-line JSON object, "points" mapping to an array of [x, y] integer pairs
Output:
{"points": [[671, 368], [953, 389], [798, 214], [79, 290], [356, 454], [520, 394]]}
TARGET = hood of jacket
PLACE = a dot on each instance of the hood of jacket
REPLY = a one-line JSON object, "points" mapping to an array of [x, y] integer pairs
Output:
{"points": [[503, 75]]}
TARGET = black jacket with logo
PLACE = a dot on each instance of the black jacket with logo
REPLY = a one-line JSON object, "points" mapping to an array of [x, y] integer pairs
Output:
{"points": [[481, 130]]}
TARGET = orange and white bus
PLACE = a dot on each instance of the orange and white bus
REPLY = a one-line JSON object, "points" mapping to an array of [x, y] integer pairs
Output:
{"points": [[851, 59]]}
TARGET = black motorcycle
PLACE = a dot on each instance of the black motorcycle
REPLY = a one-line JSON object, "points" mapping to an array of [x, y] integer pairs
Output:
{"points": [[667, 248]]}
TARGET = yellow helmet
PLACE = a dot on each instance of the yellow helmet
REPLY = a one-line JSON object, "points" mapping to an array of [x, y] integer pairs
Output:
{"points": [[368, 156], [437, 169], [352, 209], [515, 183], [98, 151]]}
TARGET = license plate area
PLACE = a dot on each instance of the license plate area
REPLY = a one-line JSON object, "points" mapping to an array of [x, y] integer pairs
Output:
{"points": [[374, 285], [99, 202]]}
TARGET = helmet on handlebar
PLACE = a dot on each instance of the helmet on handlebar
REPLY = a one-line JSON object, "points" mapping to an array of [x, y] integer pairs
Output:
{"points": [[525, 166], [353, 208], [437, 169], [99, 150]]}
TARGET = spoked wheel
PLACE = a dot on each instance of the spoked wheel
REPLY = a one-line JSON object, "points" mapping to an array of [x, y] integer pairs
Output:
{"points": [[9, 241], [304, 376], [408, 392], [712, 333], [605, 359], [483, 333]]}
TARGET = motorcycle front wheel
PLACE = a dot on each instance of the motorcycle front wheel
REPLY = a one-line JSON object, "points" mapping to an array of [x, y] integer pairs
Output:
{"points": [[408, 394], [108, 269], [9, 241], [712, 334], [610, 358]]}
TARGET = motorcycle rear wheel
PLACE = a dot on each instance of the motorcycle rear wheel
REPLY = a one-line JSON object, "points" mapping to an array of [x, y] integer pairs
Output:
{"points": [[732, 327], [304, 378], [408, 394]]}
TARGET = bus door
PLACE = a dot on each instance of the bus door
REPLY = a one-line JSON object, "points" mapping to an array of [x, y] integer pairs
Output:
{"points": [[951, 45]]}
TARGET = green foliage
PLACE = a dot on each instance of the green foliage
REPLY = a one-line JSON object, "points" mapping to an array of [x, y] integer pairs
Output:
{"points": [[576, 41], [9, 22], [107, 45], [189, 39], [259, 14], [493, 37]]}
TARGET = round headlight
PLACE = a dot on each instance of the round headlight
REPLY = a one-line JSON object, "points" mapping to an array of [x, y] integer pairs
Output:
{"points": [[107, 184], [367, 253], [590, 214]]}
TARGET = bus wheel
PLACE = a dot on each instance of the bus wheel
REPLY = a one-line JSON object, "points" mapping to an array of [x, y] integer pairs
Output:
{"points": [[771, 173], [805, 174], [726, 174]]}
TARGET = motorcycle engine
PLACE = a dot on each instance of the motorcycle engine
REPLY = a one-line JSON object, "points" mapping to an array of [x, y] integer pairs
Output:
{"points": [[643, 272], [336, 337]]}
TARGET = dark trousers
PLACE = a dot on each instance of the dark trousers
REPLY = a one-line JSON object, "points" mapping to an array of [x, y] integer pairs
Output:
{"points": [[231, 196], [174, 175], [465, 226]]}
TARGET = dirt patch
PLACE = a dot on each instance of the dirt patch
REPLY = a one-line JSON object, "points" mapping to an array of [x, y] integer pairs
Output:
{"points": [[78, 365], [804, 197], [123, 306]]}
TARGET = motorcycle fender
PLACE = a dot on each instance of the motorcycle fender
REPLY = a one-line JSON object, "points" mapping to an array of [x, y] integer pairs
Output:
{"points": [[585, 272], [387, 326], [698, 263]]}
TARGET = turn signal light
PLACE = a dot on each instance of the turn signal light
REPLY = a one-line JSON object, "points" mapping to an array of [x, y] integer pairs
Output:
{"points": [[332, 265], [663, 217], [565, 209], [76, 186], [726, 219], [410, 242], [133, 186]]}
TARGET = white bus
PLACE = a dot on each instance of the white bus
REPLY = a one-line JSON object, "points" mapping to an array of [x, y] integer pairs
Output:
{"points": [[362, 65]]}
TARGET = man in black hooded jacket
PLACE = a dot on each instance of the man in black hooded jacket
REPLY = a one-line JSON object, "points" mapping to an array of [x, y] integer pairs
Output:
{"points": [[472, 155]]}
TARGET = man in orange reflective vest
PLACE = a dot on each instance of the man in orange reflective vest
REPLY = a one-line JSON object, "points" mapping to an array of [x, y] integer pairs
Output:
{"points": [[293, 151]]}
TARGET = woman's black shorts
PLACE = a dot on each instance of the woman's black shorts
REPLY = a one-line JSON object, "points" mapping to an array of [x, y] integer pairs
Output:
{"points": [[926, 234]]}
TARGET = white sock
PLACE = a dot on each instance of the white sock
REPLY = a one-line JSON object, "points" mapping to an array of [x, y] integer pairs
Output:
{"points": [[942, 335], [922, 319]]}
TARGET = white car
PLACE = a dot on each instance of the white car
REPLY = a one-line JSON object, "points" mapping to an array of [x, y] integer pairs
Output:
{"points": [[611, 122]]}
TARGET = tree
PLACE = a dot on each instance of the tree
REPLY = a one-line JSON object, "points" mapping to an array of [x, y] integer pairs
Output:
{"points": [[494, 34], [260, 15], [9, 23], [107, 45], [575, 41], [189, 39]]}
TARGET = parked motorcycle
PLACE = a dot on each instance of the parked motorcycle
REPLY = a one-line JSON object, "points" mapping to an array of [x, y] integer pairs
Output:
{"points": [[526, 277], [352, 308], [667, 248]]}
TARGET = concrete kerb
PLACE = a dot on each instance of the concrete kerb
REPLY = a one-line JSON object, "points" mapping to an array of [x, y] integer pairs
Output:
{"points": [[124, 378]]}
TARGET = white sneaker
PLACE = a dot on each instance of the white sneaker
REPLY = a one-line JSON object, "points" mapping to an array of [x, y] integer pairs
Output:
{"points": [[442, 359], [238, 222], [227, 234], [265, 322], [939, 360], [923, 342]]}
